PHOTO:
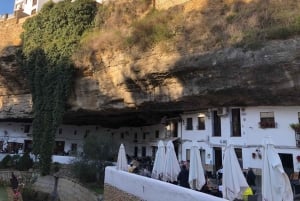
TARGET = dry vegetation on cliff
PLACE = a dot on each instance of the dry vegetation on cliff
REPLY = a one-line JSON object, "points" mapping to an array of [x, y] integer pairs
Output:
{"points": [[196, 26]]}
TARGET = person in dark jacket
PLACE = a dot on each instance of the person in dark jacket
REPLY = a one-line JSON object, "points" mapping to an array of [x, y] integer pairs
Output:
{"points": [[251, 177], [183, 177], [14, 182]]}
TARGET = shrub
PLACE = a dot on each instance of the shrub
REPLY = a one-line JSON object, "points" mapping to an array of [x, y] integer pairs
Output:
{"points": [[97, 149], [24, 163], [150, 30], [6, 162], [85, 171]]}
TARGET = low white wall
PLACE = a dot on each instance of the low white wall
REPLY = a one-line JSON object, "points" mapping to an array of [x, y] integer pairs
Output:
{"points": [[152, 189], [63, 159]]}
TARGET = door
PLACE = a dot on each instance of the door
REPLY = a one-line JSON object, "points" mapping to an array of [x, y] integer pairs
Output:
{"points": [[287, 163], [59, 148], [217, 158], [236, 122], [216, 124]]}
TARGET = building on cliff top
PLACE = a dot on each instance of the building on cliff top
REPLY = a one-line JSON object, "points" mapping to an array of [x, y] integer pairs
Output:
{"points": [[30, 7]]}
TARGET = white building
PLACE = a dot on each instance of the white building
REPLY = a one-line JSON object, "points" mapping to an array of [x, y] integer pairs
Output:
{"points": [[244, 127], [31, 7]]}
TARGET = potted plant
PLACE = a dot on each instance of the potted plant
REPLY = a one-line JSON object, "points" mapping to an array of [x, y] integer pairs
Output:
{"points": [[295, 127]]}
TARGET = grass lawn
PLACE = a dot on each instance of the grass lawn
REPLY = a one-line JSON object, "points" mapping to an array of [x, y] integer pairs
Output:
{"points": [[3, 194]]}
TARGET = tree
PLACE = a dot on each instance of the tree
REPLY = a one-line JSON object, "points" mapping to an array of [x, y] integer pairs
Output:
{"points": [[49, 39]]}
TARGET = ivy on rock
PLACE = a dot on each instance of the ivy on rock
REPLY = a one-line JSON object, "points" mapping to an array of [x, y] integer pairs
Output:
{"points": [[49, 39]]}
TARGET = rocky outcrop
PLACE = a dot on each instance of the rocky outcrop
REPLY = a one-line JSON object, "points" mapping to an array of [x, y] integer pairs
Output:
{"points": [[116, 89]]}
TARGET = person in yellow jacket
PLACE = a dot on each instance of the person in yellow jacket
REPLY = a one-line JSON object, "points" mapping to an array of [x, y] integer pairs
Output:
{"points": [[246, 193]]}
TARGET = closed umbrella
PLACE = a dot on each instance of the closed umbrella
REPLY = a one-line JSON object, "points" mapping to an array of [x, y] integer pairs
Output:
{"points": [[196, 172], [122, 160], [275, 183], [159, 162], [172, 167], [234, 181]]}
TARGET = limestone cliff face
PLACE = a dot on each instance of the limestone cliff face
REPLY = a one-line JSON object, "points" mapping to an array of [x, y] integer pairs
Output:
{"points": [[116, 89], [159, 83], [15, 97]]}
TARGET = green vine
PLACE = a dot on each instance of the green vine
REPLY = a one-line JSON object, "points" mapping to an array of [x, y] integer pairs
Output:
{"points": [[49, 40]]}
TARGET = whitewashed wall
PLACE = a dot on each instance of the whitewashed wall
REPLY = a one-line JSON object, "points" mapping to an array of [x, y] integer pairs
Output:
{"points": [[251, 134], [152, 189]]}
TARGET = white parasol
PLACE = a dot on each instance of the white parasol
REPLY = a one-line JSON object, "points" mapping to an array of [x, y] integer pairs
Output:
{"points": [[275, 183], [172, 167], [196, 172], [234, 181], [122, 160], [159, 162]]}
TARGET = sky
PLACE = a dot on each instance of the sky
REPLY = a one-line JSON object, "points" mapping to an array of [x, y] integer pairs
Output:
{"points": [[6, 6]]}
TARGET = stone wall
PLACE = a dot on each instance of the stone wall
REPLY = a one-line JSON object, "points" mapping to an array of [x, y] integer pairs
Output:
{"points": [[68, 190], [5, 176], [10, 31]]}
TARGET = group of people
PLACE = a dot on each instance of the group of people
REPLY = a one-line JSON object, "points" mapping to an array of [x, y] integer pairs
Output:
{"points": [[183, 178]]}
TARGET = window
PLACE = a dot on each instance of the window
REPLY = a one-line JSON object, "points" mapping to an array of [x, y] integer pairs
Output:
{"points": [[136, 150], [201, 122], [122, 135], [299, 117], [144, 136], [34, 2], [75, 132], [187, 154], [143, 151], [189, 123], [216, 124], [157, 134], [154, 149], [135, 137], [267, 120], [60, 131], [26, 128]]}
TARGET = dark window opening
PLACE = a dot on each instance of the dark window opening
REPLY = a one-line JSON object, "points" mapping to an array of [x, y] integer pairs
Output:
{"points": [[189, 123], [136, 149], [26, 128], [236, 122], [157, 134], [201, 123], [143, 151], [216, 124]]}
